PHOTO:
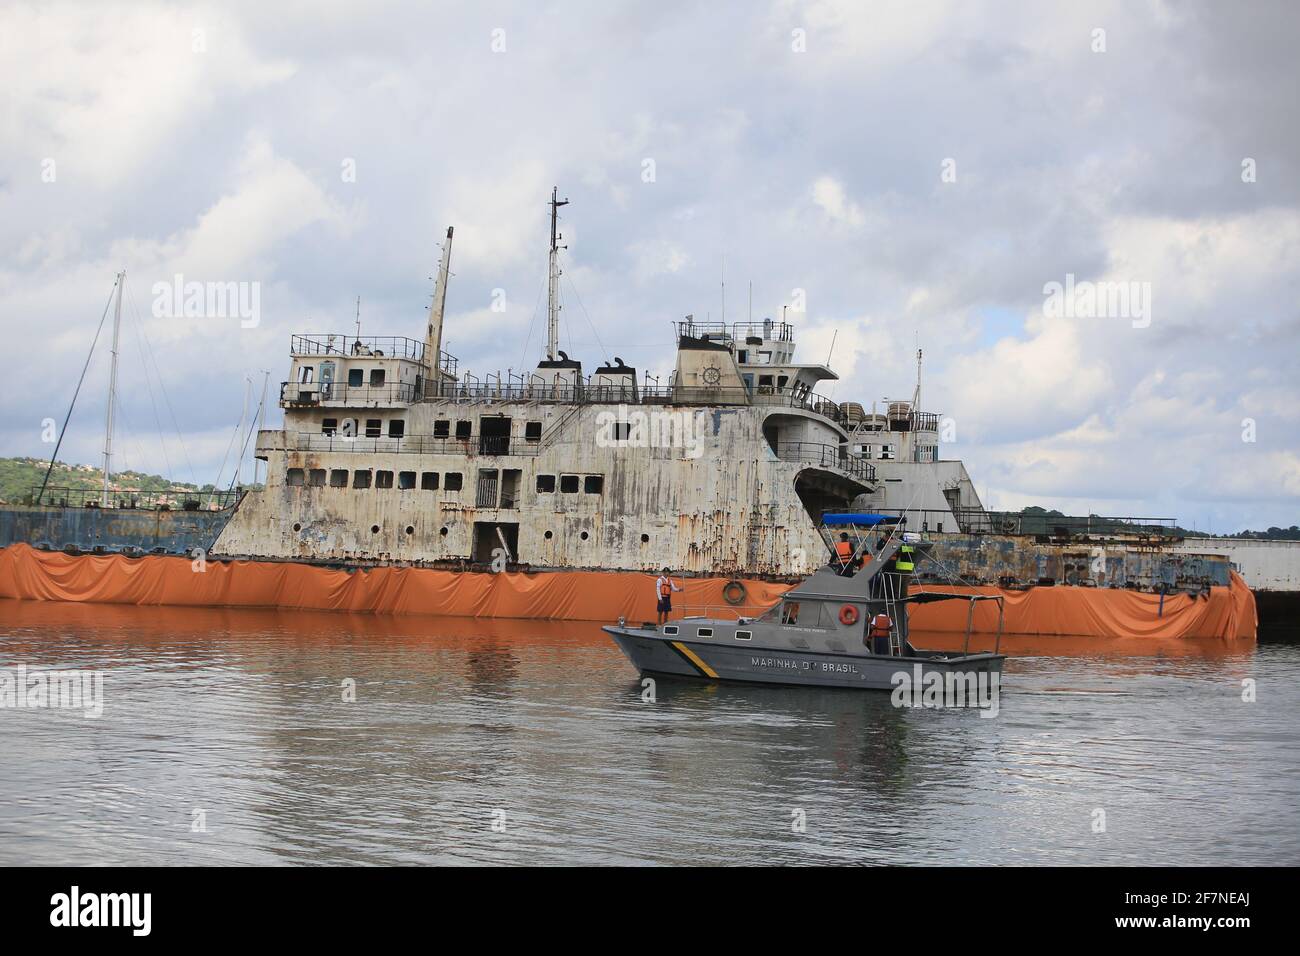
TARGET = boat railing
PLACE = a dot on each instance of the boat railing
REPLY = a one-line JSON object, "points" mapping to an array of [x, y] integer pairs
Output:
{"points": [[128, 499], [827, 456], [710, 612], [368, 346], [586, 393], [484, 445], [299, 394]]}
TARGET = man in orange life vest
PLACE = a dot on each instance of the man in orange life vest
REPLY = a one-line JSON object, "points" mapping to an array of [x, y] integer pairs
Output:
{"points": [[879, 630], [664, 589], [844, 555]]}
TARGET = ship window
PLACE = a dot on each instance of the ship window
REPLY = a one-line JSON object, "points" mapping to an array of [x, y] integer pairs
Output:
{"points": [[329, 426], [549, 535], [429, 481], [545, 484], [782, 381], [670, 628], [593, 484], [533, 431], [790, 612], [584, 536], [405, 480], [645, 539], [361, 479], [569, 484], [305, 374], [339, 478], [704, 632], [464, 429], [293, 477], [383, 479], [441, 428], [356, 377], [765, 380], [316, 478], [744, 635], [376, 377], [374, 427], [396, 427], [453, 481], [939, 527]]}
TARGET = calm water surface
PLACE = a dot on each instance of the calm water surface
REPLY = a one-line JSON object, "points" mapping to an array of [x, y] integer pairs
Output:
{"points": [[240, 714]]}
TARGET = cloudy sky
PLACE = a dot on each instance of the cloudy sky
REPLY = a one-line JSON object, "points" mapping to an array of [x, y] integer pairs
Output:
{"points": [[921, 170]]}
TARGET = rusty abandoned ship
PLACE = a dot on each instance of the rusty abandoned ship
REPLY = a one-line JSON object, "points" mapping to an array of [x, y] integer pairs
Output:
{"points": [[390, 455]]}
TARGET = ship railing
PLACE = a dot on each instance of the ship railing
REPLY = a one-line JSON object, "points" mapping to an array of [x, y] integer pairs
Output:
{"points": [[485, 445], [786, 396], [127, 499], [306, 394], [748, 612], [351, 346], [826, 456]]}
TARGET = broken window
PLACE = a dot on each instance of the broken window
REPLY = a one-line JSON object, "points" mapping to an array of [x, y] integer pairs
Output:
{"points": [[464, 429], [429, 481], [294, 476], [339, 478], [316, 478], [396, 427], [453, 481], [569, 484], [545, 484], [406, 480], [361, 479], [533, 431], [376, 377], [383, 479], [593, 484], [441, 428]]}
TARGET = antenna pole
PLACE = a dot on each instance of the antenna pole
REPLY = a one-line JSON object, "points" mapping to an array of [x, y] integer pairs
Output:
{"points": [[553, 282], [112, 390], [358, 316]]}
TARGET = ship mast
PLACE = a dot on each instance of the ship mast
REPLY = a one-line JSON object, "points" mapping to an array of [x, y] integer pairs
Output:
{"points": [[553, 284], [433, 336], [112, 390]]}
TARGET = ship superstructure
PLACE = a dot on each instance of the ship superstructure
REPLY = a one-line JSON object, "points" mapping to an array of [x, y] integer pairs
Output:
{"points": [[390, 453]]}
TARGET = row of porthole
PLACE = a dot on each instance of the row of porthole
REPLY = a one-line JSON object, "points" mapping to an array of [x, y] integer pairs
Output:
{"points": [[410, 530]]}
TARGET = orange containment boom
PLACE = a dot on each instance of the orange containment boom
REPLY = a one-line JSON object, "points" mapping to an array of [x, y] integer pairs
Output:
{"points": [[27, 574]]}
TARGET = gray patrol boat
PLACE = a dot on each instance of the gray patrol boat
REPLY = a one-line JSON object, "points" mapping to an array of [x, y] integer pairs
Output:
{"points": [[846, 625]]}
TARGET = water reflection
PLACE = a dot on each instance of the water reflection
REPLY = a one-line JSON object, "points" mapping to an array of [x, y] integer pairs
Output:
{"points": [[242, 713]]}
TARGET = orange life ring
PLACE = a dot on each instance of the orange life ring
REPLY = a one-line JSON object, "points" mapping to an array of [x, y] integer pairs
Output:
{"points": [[848, 614]]}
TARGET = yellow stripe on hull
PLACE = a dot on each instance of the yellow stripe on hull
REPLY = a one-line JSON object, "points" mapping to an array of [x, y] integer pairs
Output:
{"points": [[694, 659]]}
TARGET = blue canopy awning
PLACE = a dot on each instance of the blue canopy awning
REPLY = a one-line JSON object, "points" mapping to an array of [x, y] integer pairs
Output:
{"points": [[869, 520]]}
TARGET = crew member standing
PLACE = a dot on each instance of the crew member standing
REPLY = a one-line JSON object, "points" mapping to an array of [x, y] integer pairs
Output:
{"points": [[844, 554], [664, 588], [881, 625]]}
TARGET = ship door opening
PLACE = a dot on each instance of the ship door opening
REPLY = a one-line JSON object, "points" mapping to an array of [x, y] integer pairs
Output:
{"points": [[491, 536], [494, 436]]}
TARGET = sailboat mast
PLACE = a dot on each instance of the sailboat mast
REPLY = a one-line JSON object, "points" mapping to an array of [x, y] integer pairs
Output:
{"points": [[553, 283], [112, 390]]}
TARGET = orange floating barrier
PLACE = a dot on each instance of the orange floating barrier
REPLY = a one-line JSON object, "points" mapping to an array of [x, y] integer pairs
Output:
{"points": [[27, 574]]}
